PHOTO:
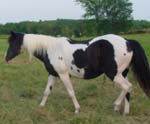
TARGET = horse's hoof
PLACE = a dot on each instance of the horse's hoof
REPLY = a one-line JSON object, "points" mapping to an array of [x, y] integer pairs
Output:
{"points": [[41, 105], [77, 111], [126, 113], [117, 108]]}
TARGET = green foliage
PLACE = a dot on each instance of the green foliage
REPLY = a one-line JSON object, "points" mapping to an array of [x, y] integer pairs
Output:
{"points": [[140, 24], [55, 28], [114, 14], [73, 28]]}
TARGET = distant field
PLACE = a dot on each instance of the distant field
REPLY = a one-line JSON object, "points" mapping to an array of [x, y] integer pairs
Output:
{"points": [[3, 36], [22, 84]]}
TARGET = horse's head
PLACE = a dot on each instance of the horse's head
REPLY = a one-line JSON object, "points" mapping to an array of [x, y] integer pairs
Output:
{"points": [[15, 42]]}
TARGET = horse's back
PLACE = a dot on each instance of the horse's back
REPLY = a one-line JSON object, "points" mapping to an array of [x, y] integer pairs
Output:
{"points": [[118, 42]]}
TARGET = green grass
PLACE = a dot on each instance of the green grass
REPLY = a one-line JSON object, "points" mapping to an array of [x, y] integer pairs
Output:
{"points": [[4, 36], [22, 84]]}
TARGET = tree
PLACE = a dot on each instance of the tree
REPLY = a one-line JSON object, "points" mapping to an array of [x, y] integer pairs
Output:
{"points": [[112, 12]]}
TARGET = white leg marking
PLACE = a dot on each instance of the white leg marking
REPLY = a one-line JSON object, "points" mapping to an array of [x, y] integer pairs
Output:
{"points": [[67, 83], [125, 86], [50, 83], [117, 106], [126, 107], [127, 103]]}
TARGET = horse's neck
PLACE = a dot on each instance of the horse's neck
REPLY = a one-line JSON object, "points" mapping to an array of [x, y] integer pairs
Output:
{"points": [[39, 43]]}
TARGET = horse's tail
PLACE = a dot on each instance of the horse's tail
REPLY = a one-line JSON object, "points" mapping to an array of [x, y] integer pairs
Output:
{"points": [[140, 66]]}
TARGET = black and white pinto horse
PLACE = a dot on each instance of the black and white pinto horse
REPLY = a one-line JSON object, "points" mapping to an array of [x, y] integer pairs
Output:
{"points": [[109, 54]]}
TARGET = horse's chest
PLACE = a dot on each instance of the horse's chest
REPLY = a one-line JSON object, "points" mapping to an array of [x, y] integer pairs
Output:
{"points": [[63, 63]]}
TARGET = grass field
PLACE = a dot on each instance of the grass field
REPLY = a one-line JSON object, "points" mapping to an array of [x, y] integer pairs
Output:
{"points": [[22, 84]]}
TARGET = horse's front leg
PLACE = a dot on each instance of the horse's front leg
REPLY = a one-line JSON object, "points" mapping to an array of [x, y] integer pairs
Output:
{"points": [[48, 89], [67, 83]]}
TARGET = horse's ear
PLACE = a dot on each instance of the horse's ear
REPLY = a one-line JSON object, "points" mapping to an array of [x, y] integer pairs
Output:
{"points": [[12, 33], [12, 36]]}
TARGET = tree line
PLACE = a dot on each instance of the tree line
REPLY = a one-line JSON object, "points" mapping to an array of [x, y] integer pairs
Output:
{"points": [[72, 28]]}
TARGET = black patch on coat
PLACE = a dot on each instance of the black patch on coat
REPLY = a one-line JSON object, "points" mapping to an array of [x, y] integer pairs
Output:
{"points": [[60, 58], [78, 70], [128, 96], [71, 41], [71, 68], [50, 87], [15, 41], [49, 67], [125, 73], [80, 58], [129, 49], [100, 57], [73, 62]]}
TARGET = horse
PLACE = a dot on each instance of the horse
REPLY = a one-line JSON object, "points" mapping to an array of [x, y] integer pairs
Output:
{"points": [[109, 54]]}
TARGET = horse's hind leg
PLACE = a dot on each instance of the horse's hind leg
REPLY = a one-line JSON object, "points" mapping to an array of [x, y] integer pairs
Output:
{"points": [[66, 80], [118, 106], [49, 86], [127, 104], [125, 85], [127, 97]]}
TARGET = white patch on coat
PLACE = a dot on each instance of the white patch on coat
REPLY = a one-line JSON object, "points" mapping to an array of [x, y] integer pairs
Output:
{"points": [[56, 48]]}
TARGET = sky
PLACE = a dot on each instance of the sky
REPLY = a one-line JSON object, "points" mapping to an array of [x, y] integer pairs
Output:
{"points": [[35, 10]]}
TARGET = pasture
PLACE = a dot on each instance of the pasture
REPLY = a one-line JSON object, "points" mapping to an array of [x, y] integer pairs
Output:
{"points": [[22, 83]]}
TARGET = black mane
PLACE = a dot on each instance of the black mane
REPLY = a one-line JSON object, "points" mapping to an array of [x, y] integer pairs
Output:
{"points": [[79, 42], [15, 36]]}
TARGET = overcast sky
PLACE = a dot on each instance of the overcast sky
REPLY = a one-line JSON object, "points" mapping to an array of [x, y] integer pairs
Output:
{"points": [[34, 10]]}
